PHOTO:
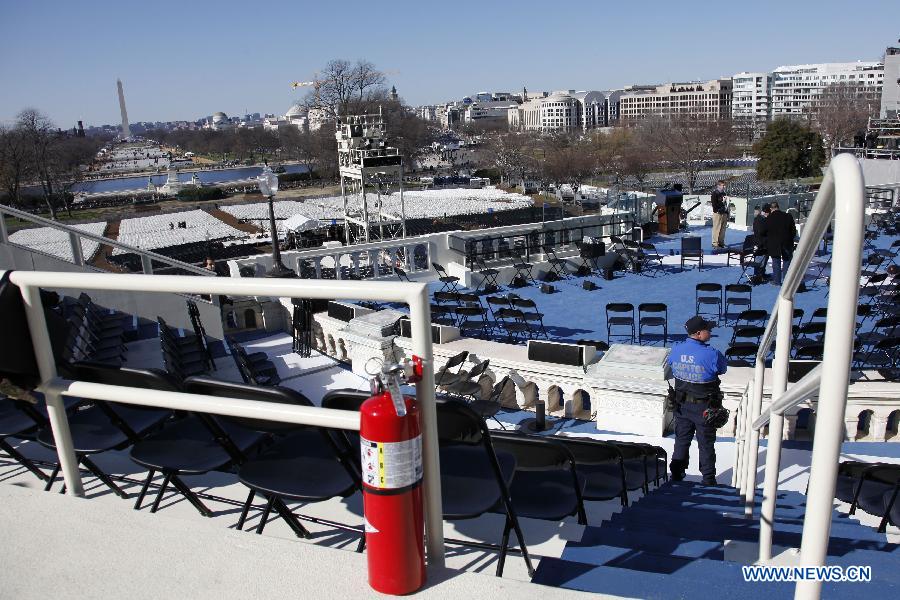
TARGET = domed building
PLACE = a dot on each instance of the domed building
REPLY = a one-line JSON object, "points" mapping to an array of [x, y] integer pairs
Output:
{"points": [[298, 116], [219, 121]]}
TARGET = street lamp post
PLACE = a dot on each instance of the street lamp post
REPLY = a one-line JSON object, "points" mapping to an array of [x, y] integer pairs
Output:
{"points": [[268, 186]]}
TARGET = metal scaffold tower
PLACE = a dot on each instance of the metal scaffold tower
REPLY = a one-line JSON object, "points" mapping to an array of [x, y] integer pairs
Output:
{"points": [[367, 164]]}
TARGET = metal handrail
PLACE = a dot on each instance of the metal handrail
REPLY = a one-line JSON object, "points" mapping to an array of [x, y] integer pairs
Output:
{"points": [[414, 294], [146, 255], [843, 180]]}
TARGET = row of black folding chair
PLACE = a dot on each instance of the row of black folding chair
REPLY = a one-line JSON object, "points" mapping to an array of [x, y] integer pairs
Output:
{"points": [[255, 367], [723, 298], [182, 356], [517, 316], [650, 315], [20, 420]]}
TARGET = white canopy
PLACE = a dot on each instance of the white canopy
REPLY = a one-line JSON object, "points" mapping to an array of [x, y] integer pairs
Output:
{"points": [[300, 222]]}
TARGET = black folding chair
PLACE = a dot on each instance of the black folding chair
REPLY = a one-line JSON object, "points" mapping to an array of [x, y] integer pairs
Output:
{"points": [[742, 354], [739, 295], [530, 314], [557, 265], [691, 251], [488, 282], [475, 478], [524, 269], [546, 485], [20, 420], [446, 375], [512, 321], [303, 465], [651, 260], [648, 316], [708, 294], [601, 466], [488, 409], [745, 333], [448, 281], [470, 385], [200, 332], [620, 314]]}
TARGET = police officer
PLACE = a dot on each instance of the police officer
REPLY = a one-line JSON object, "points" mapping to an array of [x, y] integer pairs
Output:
{"points": [[696, 367]]}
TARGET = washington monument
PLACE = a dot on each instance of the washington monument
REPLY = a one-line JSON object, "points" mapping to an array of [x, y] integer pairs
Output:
{"points": [[126, 130]]}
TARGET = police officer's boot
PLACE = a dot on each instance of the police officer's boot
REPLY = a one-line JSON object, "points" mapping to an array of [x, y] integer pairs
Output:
{"points": [[678, 468]]}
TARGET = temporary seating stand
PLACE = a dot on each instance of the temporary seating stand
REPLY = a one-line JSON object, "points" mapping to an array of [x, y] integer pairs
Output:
{"points": [[414, 294], [841, 198]]}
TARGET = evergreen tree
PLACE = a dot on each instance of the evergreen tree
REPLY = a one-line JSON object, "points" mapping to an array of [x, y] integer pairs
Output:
{"points": [[789, 149]]}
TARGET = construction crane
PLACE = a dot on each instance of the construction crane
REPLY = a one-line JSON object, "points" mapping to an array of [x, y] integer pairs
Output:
{"points": [[296, 84]]}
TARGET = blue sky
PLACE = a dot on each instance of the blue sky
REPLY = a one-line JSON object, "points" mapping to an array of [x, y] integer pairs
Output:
{"points": [[188, 59]]}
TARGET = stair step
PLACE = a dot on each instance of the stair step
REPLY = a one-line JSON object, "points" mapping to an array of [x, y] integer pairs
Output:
{"points": [[654, 510], [641, 540], [699, 578], [659, 504], [680, 523]]}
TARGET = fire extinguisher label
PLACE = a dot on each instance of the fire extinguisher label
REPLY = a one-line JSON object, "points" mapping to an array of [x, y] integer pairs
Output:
{"points": [[391, 465]]}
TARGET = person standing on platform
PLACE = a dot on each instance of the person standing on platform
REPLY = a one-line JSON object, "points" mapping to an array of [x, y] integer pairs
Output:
{"points": [[780, 231], [720, 215], [760, 252], [696, 367]]}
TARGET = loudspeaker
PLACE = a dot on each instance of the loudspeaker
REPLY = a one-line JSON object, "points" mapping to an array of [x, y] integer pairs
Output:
{"points": [[440, 334], [589, 286], [797, 369], [546, 288], [344, 311], [560, 353]]}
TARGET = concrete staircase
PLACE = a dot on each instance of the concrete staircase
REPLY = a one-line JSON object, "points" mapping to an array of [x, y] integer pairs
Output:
{"points": [[671, 544]]}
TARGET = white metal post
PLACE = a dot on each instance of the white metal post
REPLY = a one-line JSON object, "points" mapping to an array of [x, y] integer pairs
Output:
{"points": [[752, 456], [776, 426], [59, 423], [420, 319], [738, 418], [77, 254], [4, 234], [848, 239], [146, 265]]}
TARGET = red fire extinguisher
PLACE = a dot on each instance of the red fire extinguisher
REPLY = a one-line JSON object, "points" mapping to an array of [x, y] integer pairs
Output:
{"points": [[391, 449]]}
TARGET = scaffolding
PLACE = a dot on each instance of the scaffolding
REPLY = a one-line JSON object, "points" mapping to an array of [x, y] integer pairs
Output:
{"points": [[367, 163]]}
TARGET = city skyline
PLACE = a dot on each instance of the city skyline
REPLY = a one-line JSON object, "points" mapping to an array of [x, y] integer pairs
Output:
{"points": [[184, 66]]}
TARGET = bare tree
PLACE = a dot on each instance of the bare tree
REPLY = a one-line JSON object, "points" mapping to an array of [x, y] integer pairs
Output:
{"points": [[343, 88], [842, 110], [512, 154], [14, 163], [684, 142], [38, 132]]}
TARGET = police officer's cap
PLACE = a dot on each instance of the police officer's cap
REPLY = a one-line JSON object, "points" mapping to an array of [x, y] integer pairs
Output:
{"points": [[698, 323]]}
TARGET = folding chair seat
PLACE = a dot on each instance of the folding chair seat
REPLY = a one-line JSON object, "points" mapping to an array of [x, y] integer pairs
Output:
{"points": [[304, 464], [620, 314], [451, 298], [691, 251], [819, 314], [648, 316], [449, 282], [441, 313], [600, 465], [747, 332], [546, 485], [105, 426], [656, 460], [446, 375], [872, 286], [473, 317], [809, 333], [708, 294], [530, 314], [475, 478], [739, 295], [811, 351], [557, 265]]}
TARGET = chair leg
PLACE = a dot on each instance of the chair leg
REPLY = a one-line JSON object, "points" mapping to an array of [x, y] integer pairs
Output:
{"points": [[282, 509], [144, 488], [362, 542], [99, 474], [179, 485], [522, 546], [265, 515], [52, 478], [159, 494], [16, 455], [504, 546], [245, 510]]}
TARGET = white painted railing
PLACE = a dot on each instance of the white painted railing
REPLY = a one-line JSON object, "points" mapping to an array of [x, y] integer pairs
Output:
{"points": [[841, 198], [413, 294], [76, 234]]}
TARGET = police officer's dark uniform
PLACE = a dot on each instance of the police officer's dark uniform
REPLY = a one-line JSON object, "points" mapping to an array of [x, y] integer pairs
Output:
{"points": [[696, 367]]}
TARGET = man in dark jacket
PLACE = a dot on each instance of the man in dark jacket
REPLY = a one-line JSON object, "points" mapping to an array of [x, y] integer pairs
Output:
{"points": [[780, 231], [760, 252]]}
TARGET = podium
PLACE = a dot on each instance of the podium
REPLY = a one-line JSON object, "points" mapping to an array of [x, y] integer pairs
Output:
{"points": [[668, 206]]}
